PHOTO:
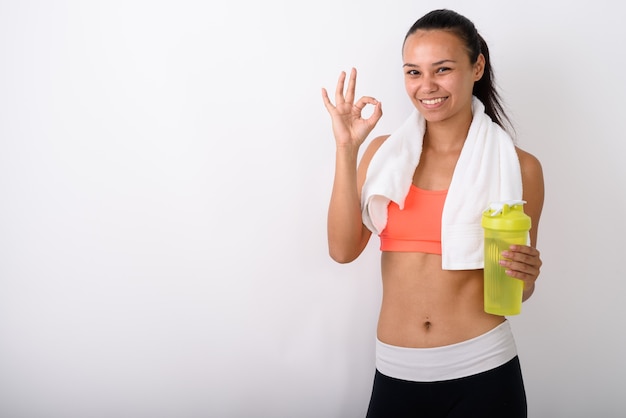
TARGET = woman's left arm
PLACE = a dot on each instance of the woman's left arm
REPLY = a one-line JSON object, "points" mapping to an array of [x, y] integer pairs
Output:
{"points": [[522, 261]]}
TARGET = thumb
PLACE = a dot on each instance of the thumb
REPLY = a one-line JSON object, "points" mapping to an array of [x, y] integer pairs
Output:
{"points": [[376, 114]]}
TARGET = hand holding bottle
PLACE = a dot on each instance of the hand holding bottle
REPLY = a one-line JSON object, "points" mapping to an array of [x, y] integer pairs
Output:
{"points": [[505, 225]]}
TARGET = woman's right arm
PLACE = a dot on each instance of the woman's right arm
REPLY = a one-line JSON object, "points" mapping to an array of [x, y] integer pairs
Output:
{"points": [[347, 236]]}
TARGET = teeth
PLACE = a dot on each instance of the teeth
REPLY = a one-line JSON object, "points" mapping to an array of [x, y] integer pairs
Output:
{"points": [[433, 101]]}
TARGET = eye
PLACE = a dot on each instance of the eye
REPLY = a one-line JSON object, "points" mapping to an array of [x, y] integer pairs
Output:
{"points": [[443, 69], [413, 72]]}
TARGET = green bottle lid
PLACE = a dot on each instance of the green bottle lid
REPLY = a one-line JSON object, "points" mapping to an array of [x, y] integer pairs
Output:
{"points": [[508, 215]]}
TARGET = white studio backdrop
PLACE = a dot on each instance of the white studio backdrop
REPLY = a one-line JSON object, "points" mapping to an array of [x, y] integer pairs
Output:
{"points": [[165, 170]]}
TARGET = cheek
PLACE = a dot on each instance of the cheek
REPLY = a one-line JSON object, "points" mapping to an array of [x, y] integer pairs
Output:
{"points": [[410, 86], [462, 85]]}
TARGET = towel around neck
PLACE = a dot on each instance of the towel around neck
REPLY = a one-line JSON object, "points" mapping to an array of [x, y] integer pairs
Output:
{"points": [[488, 170]]}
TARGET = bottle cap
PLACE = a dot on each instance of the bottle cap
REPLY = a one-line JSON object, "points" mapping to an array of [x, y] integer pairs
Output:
{"points": [[506, 215]]}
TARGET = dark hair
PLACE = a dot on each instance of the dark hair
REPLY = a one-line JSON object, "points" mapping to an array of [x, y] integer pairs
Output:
{"points": [[484, 89]]}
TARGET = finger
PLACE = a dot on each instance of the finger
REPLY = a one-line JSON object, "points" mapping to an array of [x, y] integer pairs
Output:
{"points": [[528, 277], [520, 270], [351, 86], [326, 99], [521, 262], [364, 101], [377, 114], [339, 99], [524, 249], [520, 266], [530, 257]]}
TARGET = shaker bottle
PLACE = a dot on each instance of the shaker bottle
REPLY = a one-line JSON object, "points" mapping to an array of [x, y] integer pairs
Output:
{"points": [[504, 223]]}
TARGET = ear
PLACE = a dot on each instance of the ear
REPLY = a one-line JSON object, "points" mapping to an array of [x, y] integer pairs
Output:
{"points": [[479, 67]]}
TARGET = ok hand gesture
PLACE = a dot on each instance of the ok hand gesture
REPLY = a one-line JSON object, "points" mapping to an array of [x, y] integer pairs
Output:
{"points": [[349, 126]]}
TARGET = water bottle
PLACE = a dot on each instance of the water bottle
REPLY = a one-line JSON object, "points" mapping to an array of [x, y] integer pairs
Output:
{"points": [[504, 223]]}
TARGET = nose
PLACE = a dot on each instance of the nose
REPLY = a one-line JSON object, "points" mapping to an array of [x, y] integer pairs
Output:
{"points": [[429, 84]]}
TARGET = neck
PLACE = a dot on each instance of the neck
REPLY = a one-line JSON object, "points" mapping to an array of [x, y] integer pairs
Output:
{"points": [[448, 135]]}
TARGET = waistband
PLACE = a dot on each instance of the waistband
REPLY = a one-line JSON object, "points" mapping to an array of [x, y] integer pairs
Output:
{"points": [[467, 358]]}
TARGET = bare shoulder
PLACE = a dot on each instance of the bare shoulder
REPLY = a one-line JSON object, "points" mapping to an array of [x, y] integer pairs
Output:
{"points": [[533, 189], [368, 154], [529, 164], [532, 172], [372, 148]]}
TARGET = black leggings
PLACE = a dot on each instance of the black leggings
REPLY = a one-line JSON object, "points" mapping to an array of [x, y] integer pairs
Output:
{"points": [[495, 393]]}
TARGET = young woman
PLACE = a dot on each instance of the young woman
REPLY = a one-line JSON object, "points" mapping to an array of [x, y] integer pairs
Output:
{"points": [[422, 190]]}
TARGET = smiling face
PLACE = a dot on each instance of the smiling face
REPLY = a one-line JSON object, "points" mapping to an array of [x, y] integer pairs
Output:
{"points": [[438, 75]]}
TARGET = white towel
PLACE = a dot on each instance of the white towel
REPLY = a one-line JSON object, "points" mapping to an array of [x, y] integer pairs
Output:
{"points": [[488, 170]]}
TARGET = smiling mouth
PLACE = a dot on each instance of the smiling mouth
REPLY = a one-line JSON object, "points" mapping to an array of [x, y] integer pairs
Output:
{"points": [[433, 101]]}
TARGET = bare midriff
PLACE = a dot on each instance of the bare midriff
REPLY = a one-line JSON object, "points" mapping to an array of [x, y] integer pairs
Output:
{"points": [[424, 306]]}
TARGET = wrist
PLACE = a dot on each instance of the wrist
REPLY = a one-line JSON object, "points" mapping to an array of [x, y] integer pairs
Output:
{"points": [[347, 152], [529, 289], [348, 147]]}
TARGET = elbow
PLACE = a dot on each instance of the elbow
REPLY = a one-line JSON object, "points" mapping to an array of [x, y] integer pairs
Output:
{"points": [[342, 257]]}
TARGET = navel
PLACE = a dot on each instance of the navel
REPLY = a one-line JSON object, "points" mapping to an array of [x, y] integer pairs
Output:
{"points": [[427, 325]]}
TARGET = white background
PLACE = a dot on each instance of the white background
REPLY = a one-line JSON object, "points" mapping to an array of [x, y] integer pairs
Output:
{"points": [[165, 170]]}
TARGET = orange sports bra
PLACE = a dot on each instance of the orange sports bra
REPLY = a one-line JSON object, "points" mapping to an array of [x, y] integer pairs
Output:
{"points": [[416, 228]]}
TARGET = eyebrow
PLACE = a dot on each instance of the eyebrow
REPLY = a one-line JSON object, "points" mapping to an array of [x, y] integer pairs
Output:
{"points": [[434, 64]]}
